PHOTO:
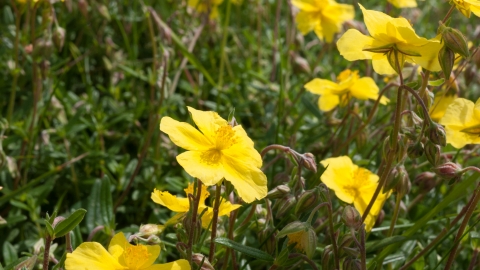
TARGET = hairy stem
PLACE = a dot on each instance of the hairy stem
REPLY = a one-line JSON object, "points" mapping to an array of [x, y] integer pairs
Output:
{"points": [[216, 206], [193, 223]]}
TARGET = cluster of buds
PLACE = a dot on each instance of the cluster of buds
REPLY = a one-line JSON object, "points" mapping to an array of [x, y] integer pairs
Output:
{"points": [[454, 42]]}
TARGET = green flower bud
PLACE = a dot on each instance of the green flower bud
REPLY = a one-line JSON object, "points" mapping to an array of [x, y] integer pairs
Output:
{"points": [[432, 152], [309, 162], [455, 40], [278, 192], [415, 150], [425, 181], [307, 201], [446, 58], [351, 218], [59, 37], [392, 180], [395, 56], [268, 236], [436, 134], [285, 205], [403, 186]]}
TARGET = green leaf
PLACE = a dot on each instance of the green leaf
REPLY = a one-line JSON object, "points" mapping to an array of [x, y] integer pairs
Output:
{"points": [[69, 223], [313, 109], [373, 246], [50, 229], [94, 215], [436, 82], [249, 251], [106, 204], [9, 252]]}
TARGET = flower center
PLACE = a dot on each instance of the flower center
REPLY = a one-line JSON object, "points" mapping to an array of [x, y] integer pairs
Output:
{"points": [[135, 256], [360, 178], [211, 157], [224, 137]]}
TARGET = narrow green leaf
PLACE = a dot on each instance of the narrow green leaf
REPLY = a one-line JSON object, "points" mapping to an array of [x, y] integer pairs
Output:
{"points": [[373, 246], [50, 229], [252, 252], [314, 110], [94, 215], [106, 205], [69, 223]]}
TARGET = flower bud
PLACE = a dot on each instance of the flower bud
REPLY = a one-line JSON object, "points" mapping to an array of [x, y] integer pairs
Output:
{"points": [[403, 186], [103, 10], [285, 205], [448, 171], [446, 58], [352, 264], [436, 134], [150, 229], [351, 217], [455, 40], [268, 236], [415, 150], [392, 180], [432, 152], [307, 200], [59, 37], [201, 261], [154, 240], [309, 162], [425, 181], [278, 192], [43, 48]]}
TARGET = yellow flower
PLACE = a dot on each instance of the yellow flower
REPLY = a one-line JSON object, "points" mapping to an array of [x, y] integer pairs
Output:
{"points": [[440, 104], [403, 3], [206, 6], [353, 184], [120, 255], [462, 122], [389, 36], [349, 84], [324, 17], [466, 7], [181, 205], [218, 151]]}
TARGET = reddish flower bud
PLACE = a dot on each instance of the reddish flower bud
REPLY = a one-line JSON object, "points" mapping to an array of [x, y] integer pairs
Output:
{"points": [[351, 217], [448, 171], [436, 134]]}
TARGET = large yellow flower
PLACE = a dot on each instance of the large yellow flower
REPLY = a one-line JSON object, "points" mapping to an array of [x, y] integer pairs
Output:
{"points": [[462, 122], [466, 7], [403, 3], [181, 205], [440, 104], [349, 84], [325, 17], [206, 6], [389, 35], [120, 255], [218, 151], [353, 184]]}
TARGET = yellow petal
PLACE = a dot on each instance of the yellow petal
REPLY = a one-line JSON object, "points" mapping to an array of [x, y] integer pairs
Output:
{"points": [[381, 65], [338, 173], [333, 16], [429, 55], [306, 21], [208, 122], [249, 181], [440, 105], [364, 88], [175, 219], [133, 256], [226, 207], [328, 102], [361, 205], [171, 202], [321, 86], [351, 45], [92, 256], [204, 165], [118, 240], [309, 5], [203, 194], [244, 148], [403, 3], [176, 265], [459, 114], [184, 135], [376, 23]]}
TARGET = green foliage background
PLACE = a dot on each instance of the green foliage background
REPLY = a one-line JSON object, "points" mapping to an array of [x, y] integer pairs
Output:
{"points": [[97, 103]]}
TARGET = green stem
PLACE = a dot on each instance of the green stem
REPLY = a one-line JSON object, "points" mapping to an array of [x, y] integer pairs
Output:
{"points": [[224, 42], [193, 223], [15, 57], [216, 206], [395, 215]]}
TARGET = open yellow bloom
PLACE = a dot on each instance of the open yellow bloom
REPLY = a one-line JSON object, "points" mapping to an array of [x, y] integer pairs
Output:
{"points": [[181, 205], [403, 3], [353, 184], [120, 255], [349, 84], [389, 37], [324, 17], [206, 6], [466, 7], [218, 151], [440, 104], [462, 122]]}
